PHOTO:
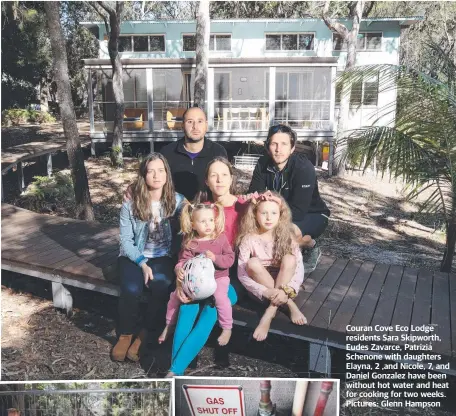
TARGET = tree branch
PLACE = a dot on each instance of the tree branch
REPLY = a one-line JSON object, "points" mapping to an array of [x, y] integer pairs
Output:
{"points": [[333, 24], [103, 16], [107, 7], [368, 8]]}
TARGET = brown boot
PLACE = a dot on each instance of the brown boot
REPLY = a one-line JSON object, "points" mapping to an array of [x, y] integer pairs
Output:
{"points": [[133, 351], [120, 350]]}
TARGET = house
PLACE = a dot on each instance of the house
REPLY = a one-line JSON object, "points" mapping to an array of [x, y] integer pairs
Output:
{"points": [[261, 72]]}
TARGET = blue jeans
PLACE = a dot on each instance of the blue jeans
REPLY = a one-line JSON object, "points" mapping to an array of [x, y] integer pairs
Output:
{"points": [[132, 287], [190, 338]]}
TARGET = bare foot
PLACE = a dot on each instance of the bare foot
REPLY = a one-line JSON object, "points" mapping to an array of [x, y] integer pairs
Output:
{"points": [[296, 316], [164, 335], [261, 331], [224, 337], [170, 375]]}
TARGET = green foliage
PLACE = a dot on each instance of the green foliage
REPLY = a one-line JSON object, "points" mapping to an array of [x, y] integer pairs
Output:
{"points": [[49, 190], [419, 146], [116, 156], [16, 116]]}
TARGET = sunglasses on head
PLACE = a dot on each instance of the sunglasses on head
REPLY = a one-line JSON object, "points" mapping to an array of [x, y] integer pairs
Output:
{"points": [[279, 127]]}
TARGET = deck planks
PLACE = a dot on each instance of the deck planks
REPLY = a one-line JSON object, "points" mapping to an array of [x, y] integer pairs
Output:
{"points": [[339, 292]]}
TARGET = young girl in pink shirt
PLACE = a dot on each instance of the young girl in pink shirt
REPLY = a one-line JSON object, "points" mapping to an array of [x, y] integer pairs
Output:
{"points": [[270, 264], [202, 226]]}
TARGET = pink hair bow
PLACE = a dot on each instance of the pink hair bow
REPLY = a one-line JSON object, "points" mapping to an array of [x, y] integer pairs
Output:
{"points": [[266, 196]]}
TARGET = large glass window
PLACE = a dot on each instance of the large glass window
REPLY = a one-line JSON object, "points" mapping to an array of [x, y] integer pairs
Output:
{"points": [[173, 94], [240, 99], [290, 42], [303, 97], [135, 99]]}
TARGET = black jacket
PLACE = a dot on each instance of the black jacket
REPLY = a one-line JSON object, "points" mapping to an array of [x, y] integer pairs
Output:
{"points": [[298, 184], [188, 174]]}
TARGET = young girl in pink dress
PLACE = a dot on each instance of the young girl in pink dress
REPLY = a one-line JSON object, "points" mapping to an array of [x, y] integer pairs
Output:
{"points": [[202, 226], [270, 264]]}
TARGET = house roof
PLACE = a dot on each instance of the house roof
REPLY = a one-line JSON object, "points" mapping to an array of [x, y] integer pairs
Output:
{"points": [[404, 21]]}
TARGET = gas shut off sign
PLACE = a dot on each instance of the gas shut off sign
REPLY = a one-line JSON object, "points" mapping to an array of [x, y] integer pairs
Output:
{"points": [[215, 400]]}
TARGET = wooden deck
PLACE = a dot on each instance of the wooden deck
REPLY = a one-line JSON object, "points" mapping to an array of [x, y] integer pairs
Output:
{"points": [[338, 293]]}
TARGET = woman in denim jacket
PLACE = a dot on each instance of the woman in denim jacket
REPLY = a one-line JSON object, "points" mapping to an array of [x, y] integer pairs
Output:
{"points": [[148, 224]]}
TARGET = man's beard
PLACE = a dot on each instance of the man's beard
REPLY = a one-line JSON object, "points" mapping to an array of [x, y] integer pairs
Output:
{"points": [[194, 140]]}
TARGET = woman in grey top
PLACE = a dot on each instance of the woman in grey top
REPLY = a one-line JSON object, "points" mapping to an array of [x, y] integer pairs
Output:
{"points": [[148, 225]]}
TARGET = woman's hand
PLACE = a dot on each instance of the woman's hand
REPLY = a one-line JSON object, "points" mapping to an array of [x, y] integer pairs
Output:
{"points": [[147, 273], [181, 295], [210, 255], [180, 274], [280, 299]]}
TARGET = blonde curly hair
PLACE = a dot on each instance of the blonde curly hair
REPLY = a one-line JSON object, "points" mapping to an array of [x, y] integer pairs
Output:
{"points": [[283, 233], [186, 220]]}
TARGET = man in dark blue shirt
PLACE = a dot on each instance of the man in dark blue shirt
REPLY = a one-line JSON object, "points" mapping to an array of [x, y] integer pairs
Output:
{"points": [[188, 157]]}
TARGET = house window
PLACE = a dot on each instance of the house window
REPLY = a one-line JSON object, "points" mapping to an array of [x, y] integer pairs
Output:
{"points": [[157, 43], [140, 44], [143, 43], [366, 41], [189, 42], [364, 92], [216, 43], [290, 42], [125, 44], [220, 43]]}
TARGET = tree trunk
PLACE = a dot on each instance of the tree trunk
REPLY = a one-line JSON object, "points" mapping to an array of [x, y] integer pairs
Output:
{"points": [[202, 54], [84, 208], [351, 38], [450, 244], [117, 85]]}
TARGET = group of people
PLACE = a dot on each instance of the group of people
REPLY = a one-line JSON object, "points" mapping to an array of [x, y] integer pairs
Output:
{"points": [[183, 203]]}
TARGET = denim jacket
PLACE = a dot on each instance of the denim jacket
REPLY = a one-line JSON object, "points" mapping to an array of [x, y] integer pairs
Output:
{"points": [[134, 232]]}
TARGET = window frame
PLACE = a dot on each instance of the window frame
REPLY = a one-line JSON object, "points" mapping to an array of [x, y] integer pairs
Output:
{"points": [[215, 42], [344, 48], [148, 35], [365, 80], [289, 33]]}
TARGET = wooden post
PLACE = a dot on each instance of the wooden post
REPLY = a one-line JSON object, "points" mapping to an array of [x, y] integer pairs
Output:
{"points": [[152, 146], [92, 148], [20, 177], [61, 297], [49, 165], [331, 156]]}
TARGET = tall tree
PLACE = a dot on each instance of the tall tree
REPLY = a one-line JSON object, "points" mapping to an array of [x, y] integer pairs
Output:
{"points": [[114, 16], [202, 53], [84, 208], [350, 39]]}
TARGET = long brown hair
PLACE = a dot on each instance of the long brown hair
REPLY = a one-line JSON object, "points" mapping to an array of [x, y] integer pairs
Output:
{"points": [[283, 232], [141, 204], [186, 220], [206, 194]]}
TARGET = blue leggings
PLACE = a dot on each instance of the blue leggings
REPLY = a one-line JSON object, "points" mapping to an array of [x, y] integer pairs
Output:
{"points": [[189, 338]]}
